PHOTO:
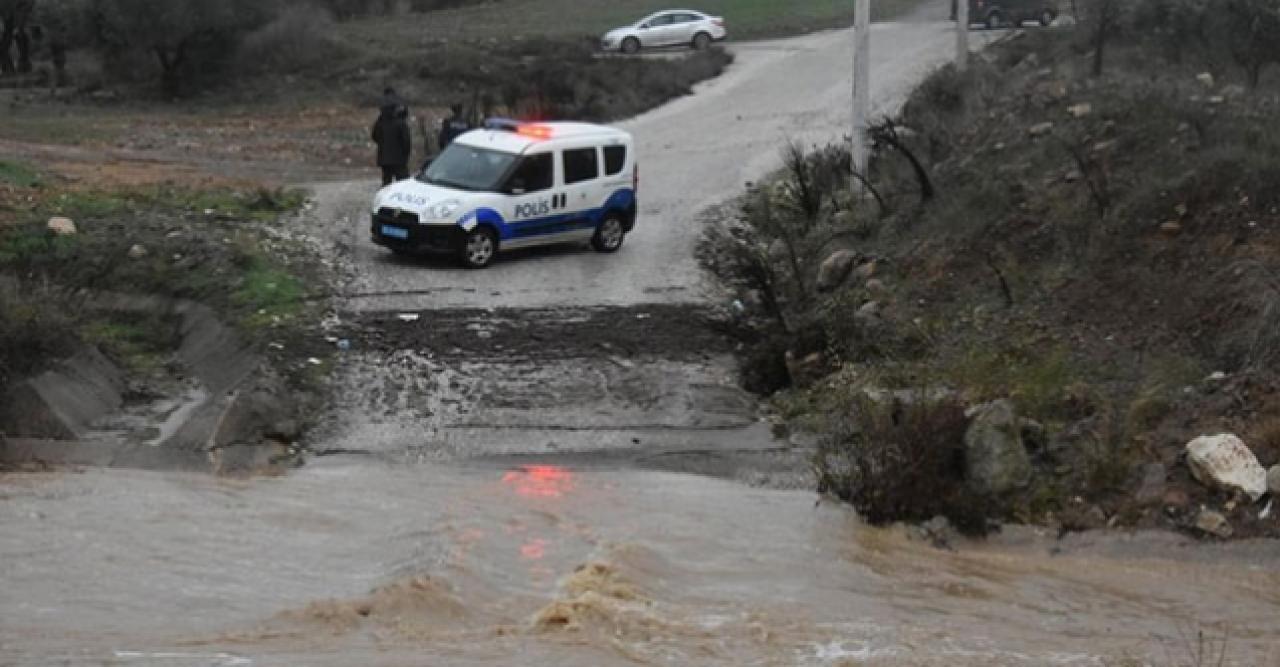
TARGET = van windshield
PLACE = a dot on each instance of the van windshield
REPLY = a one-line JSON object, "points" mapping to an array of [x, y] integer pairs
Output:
{"points": [[467, 168]]}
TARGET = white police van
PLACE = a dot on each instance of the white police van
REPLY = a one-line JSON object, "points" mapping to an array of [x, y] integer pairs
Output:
{"points": [[514, 185]]}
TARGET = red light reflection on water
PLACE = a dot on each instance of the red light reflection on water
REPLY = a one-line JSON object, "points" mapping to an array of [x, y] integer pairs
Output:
{"points": [[540, 481], [534, 549]]}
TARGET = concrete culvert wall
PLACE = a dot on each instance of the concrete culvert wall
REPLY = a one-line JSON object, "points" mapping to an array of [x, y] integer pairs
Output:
{"points": [[51, 418], [65, 401]]}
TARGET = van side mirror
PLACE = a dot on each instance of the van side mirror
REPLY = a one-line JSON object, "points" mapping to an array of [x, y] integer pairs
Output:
{"points": [[516, 187]]}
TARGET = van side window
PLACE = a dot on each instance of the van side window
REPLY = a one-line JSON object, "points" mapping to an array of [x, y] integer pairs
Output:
{"points": [[615, 158], [580, 164], [535, 174]]}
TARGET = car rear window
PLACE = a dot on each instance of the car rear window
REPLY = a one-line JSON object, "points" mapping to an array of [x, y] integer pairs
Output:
{"points": [[580, 164], [615, 158]]}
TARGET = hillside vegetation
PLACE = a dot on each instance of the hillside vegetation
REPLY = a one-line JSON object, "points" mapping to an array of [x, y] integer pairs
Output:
{"points": [[1098, 250]]}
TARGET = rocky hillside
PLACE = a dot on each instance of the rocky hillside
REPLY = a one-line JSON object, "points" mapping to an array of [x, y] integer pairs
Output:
{"points": [[1097, 254]]}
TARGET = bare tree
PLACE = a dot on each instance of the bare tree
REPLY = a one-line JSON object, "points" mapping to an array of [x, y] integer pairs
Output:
{"points": [[1250, 31], [1102, 19], [182, 35], [886, 132], [15, 20]]}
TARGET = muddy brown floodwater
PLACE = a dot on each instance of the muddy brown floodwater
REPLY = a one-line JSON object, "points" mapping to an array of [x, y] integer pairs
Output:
{"points": [[359, 563]]}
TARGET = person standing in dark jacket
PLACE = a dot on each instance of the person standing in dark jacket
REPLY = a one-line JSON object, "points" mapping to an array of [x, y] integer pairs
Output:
{"points": [[395, 142], [453, 126]]}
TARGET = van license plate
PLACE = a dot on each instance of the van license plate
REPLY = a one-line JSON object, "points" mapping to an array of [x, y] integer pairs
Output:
{"points": [[395, 232]]}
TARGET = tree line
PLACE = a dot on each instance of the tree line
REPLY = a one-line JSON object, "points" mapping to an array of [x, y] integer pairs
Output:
{"points": [[171, 38], [1217, 33]]}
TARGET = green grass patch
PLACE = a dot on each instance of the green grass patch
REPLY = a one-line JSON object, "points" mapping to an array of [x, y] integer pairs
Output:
{"points": [[18, 174], [268, 294], [262, 205], [140, 343], [66, 129], [746, 19]]}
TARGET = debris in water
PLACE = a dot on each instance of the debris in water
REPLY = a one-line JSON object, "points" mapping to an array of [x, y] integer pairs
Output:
{"points": [[315, 362], [344, 345], [409, 317]]}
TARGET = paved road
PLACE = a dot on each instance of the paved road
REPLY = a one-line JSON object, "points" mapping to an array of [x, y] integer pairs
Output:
{"points": [[629, 375], [695, 152]]}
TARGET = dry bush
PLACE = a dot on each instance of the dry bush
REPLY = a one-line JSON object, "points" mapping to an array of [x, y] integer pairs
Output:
{"points": [[36, 325], [545, 78], [297, 38], [902, 462]]}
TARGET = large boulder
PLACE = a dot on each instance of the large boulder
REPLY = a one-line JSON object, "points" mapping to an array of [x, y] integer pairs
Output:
{"points": [[1225, 462], [996, 460], [836, 269]]}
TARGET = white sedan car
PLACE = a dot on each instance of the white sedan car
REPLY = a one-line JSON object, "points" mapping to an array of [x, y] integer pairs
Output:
{"points": [[677, 27]]}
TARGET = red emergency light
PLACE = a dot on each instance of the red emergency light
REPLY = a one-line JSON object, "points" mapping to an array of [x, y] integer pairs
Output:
{"points": [[539, 132]]}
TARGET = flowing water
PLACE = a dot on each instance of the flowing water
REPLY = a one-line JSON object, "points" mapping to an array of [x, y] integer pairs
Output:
{"points": [[357, 563]]}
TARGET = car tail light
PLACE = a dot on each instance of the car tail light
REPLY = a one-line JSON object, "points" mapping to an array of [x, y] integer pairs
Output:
{"points": [[718, 22]]}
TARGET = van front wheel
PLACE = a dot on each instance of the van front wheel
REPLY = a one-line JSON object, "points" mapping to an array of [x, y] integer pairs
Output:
{"points": [[610, 234], [479, 249]]}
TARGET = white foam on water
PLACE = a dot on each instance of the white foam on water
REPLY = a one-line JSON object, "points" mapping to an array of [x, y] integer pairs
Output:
{"points": [[219, 659]]}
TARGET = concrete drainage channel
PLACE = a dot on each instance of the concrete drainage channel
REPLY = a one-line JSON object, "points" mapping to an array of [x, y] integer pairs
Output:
{"points": [[224, 421]]}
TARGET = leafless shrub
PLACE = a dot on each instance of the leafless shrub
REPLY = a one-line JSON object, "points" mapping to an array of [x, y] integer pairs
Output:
{"points": [[298, 37], [900, 461]]}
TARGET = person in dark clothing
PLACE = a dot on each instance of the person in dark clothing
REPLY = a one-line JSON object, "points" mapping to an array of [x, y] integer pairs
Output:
{"points": [[453, 126], [390, 98], [395, 142]]}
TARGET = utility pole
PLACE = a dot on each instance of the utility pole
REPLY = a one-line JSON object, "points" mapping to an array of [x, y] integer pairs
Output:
{"points": [[962, 34], [861, 88]]}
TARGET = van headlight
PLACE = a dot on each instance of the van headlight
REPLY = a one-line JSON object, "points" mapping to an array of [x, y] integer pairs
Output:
{"points": [[445, 209]]}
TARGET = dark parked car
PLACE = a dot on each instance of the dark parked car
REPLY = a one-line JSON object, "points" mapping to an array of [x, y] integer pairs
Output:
{"points": [[1003, 13]]}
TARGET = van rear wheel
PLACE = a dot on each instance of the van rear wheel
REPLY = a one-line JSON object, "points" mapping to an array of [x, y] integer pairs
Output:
{"points": [[610, 234]]}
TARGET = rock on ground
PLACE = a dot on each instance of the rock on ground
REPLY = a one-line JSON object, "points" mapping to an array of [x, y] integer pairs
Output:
{"points": [[996, 459], [1153, 485], [836, 269], [1213, 523], [62, 226], [1225, 462]]}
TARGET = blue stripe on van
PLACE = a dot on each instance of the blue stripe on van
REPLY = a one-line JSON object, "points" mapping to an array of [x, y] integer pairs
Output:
{"points": [[620, 201]]}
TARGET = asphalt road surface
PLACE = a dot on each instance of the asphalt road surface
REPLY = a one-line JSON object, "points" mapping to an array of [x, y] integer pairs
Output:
{"points": [[695, 152]]}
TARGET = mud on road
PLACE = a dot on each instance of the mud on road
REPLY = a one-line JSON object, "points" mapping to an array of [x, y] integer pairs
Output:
{"points": [[651, 386]]}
